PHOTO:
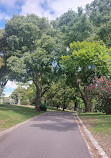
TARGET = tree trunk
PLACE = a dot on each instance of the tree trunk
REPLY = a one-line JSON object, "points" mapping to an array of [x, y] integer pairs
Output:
{"points": [[57, 107], [38, 99], [37, 108], [76, 104], [84, 98], [64, 104], [88, 108], [63, 107], [38, 95]]}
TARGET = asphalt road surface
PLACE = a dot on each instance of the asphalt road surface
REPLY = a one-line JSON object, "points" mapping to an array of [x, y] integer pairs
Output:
{"points": [[53, 135]]}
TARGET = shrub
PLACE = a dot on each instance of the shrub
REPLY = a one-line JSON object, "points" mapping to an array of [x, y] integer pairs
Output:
{"points": [[100, 88], [43, 107], [24, 102]]}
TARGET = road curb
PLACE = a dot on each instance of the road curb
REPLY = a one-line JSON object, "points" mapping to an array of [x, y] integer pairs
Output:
{"points": [[18, 125], [91, 138]]}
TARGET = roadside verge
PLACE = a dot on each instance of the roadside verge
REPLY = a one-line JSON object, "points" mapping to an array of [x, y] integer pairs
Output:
{"points": [[95, 150]]}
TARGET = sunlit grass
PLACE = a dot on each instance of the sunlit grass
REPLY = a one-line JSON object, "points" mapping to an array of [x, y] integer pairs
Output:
{"points": [[100, 123], [11, 115]]}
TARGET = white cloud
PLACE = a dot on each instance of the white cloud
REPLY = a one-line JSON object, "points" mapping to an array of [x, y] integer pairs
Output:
{"points": [[9, 88], [11, 85], [57, 6], [61, 6], [32, 6], [4, 16], [7, 94], [10, 3]]}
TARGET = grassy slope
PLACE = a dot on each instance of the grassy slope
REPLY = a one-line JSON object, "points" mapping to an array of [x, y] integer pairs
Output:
{"points": [[100, 127], [11, 115]]}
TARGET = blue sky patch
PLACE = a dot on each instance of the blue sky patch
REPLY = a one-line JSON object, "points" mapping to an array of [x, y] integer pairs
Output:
{"points": [[2, 23]]}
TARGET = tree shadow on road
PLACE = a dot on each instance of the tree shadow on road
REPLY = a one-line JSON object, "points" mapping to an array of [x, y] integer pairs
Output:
{"points": [[56, 121]]}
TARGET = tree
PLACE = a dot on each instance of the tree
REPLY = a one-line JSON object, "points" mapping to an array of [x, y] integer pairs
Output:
{"points": [[99, 11], [104, 33], [19, 36], [74, 26], [3, 69], [19, 93], [59, 94], [86, 60], [38, 65], [81, 30]]}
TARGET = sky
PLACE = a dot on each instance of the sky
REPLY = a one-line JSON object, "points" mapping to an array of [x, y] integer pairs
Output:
{"points": [[43, 8]]}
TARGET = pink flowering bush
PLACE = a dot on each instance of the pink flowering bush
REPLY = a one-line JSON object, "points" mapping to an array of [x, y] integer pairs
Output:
{"points": [[100, 88]]}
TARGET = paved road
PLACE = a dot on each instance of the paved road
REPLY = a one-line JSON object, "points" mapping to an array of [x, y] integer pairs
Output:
{"points": [[53, 135]]}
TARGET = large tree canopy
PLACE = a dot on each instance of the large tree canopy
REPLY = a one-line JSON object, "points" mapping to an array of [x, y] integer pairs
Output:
{"points": [[99, 11], [87, 60], [74, 26], [40, 63]]}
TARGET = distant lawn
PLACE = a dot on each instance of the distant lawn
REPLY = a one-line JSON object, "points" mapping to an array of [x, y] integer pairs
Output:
{"points": [[11, 115], [51, 108], [100, 126]]}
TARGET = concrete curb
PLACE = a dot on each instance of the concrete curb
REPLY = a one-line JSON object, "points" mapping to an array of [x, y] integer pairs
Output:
{"points": [[18, 125], [94, 142]]}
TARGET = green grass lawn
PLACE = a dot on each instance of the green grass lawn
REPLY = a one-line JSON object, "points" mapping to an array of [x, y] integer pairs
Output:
{"points": [[100, 127], [99, 123], [11, 115]]}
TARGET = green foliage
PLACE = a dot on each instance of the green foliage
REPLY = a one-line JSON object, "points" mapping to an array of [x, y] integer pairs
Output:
{"points": [[21, 33], [24, 102], [74, 26], [104, 33], [87, 60], [99, 11], [81, 30], [36, 64], [60, 95], [43, 107], [65, 20], [19, 93]]}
